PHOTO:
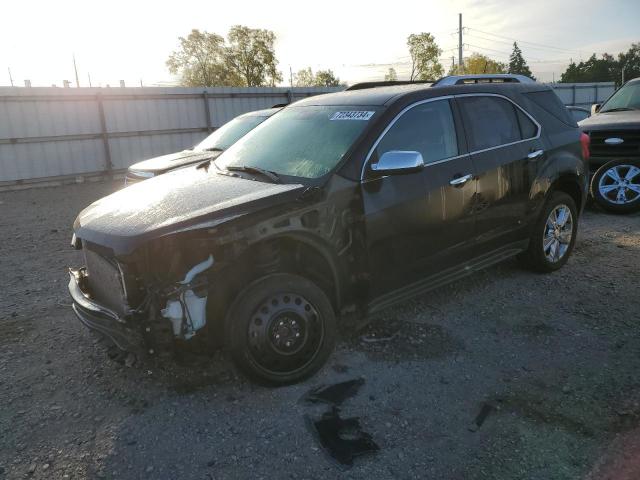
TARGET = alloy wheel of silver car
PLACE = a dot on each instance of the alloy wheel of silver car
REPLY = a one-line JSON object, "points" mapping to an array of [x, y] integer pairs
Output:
{"points": [[620, 184], [558, 232]]}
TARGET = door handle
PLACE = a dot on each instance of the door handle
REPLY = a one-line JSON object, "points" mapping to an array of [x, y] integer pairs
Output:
{"points": [[535, 154], [456, 182]]}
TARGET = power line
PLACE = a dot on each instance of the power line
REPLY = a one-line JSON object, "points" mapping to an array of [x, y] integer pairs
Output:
{"points": [[527, 42], [489, 49], [473, 35]]}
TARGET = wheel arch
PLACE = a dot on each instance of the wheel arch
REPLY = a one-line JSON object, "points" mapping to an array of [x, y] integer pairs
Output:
{"points": [[569, 184], [288, 252]]}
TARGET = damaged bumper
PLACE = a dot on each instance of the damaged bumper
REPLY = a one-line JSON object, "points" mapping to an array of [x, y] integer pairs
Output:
{"points": [[99, 318]]}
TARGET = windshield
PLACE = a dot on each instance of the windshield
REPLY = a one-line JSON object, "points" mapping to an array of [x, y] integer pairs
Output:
{"points": [[230, 133], [300, 141], [628, 97]]}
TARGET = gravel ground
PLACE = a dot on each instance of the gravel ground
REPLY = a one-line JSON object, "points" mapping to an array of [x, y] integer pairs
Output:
{"points": [[552, 361]]}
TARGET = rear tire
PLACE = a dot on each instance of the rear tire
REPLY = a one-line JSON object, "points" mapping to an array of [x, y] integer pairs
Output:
{"points": [[280, 329], [553, 236], [615, 187]]}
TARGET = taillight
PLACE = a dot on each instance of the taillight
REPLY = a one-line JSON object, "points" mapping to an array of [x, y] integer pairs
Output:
{"points": [[585, 140]]}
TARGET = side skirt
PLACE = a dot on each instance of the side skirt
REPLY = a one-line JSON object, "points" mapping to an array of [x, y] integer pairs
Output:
{"points": [[446, 276]]}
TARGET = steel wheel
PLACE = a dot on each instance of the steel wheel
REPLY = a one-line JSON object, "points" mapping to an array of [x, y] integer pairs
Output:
{"points": [[558, 231], [620, 184], [285, 334]]}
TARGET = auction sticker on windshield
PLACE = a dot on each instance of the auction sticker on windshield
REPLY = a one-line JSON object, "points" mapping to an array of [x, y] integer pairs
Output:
{"points": [[352, 115]]}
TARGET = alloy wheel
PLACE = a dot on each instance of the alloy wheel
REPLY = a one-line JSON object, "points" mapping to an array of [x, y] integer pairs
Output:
{"points": [[558, 231], [620, 184]]}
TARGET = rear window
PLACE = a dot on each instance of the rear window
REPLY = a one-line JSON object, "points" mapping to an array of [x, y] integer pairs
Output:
{"points": [[549, 101]]}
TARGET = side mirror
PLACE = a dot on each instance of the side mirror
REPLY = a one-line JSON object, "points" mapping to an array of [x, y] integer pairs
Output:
{"points": [[399, 161], [595, 108]]}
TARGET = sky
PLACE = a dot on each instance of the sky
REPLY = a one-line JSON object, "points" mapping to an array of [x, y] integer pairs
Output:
{"points": [[115, 40]]}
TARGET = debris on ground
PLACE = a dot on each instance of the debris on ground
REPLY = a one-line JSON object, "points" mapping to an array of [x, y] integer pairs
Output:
{"points": [[342, 438]]}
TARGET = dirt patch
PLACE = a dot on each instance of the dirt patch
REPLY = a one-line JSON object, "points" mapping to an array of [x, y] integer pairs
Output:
{"points": [[401, 341]]}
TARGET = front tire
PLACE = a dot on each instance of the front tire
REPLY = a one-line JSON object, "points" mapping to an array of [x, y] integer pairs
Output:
{"points": [[615, 187], [281, 329], [553, 236]]}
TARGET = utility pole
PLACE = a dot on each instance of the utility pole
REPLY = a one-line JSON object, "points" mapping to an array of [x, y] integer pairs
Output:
{"points": [[89, 77], [75, 68], [11, 78], [453, 64], [460, 63], [290, 76], [622, 75]]}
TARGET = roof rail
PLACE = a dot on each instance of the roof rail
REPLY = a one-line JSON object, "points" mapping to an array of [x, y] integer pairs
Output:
{"points": [[387, 83], [482, 78]]}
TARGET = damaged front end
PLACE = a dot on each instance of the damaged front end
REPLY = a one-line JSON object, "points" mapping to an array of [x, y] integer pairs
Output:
{"points": [[139, 313]]}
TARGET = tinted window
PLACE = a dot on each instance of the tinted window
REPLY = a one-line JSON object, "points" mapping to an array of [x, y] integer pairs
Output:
{"points": [[489, 121], [427, 128], [230, 133], [528, 129], [550, 102], [579, 115]]}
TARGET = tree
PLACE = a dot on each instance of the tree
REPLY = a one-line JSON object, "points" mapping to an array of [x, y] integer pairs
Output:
{"points": [[246, 59], [592, 70], [326, 78], [476, 63], [605, 69], [304, 78], [251, 56], [322, 78], [391, 75], [424, 53], [517, 63], [630, 61], [200, 60]]}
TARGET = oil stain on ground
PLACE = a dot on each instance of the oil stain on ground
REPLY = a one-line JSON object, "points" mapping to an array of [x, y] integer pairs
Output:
{"points": [[343, 439]]}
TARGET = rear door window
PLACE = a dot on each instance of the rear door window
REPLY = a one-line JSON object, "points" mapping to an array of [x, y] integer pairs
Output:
{"points": [[489, 121], [427, 128]]}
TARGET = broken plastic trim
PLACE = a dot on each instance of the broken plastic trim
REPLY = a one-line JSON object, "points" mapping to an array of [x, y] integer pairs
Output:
{"points": [[187, 311]]}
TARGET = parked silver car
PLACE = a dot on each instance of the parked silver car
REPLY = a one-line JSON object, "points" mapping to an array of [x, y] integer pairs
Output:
{"points": [[208, 149]]}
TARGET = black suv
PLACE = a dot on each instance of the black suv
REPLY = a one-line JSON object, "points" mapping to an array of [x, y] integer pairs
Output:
{"points": [[615, 150], [341, 203]]}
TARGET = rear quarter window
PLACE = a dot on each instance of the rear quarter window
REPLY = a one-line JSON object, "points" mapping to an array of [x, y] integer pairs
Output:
{"points": [[528, 129], [549, 101]]}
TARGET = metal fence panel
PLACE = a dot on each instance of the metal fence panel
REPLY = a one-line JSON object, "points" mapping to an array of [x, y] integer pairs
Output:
{"points": [[583, 94]]}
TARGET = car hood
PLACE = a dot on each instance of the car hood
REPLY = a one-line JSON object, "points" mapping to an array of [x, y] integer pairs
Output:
{"points": [[164, 163], [186, 199], [612, 121]]}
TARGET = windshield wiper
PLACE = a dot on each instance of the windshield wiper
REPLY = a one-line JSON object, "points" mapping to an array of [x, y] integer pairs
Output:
{"points": [[618, 109], [213, 149], [246, 168]]}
